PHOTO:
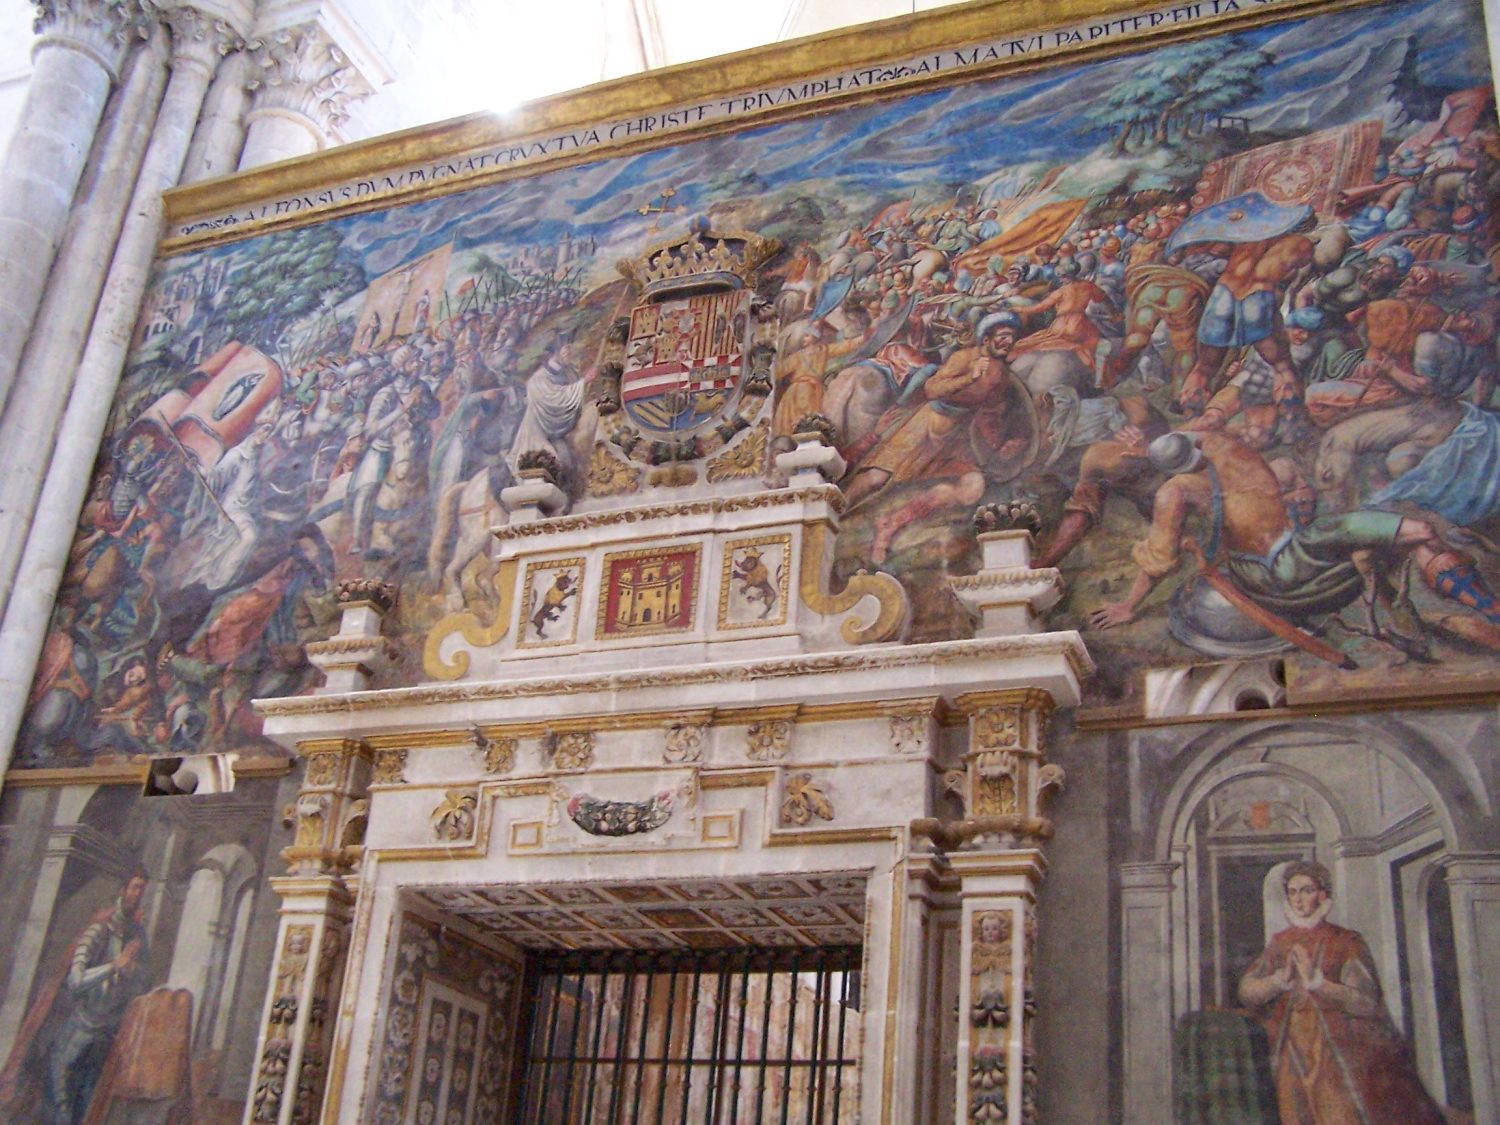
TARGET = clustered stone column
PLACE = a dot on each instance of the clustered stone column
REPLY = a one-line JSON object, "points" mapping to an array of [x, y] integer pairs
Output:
{"points": [[61, 327], [996, 851], [312, 942], [76, 62], [80, 218], [198, 42]]}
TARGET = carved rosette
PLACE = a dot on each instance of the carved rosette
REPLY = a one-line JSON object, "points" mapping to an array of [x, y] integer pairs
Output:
{"points": [[911, 732], [390, 767], [802, 799], [684, 743], [746, 458], [302, 70], [768, 741], [571, 751], [494, 755], [609, 476]]}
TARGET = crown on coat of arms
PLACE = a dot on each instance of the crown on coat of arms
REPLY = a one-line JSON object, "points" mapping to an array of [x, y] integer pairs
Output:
{"points": [[705, 259]]}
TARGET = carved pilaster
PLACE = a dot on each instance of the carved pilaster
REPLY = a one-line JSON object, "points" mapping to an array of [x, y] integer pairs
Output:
{"points": [[997, 1054], [329, 818], [301, 71], [297, 1027]]}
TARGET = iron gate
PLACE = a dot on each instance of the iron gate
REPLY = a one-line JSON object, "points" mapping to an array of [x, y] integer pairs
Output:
{"points": [[729, 1037]]}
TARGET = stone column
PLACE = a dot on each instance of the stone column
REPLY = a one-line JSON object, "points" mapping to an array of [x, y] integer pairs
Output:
{"points": [[198, 42], [302, 91], [51, 357], [74, 66], [1474, 893], [1146, 988], [216, 146], [313, 939], [1000, 864]]}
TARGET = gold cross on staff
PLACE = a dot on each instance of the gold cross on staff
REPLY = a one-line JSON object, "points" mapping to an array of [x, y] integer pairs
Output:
{"points": [[664, 208]]}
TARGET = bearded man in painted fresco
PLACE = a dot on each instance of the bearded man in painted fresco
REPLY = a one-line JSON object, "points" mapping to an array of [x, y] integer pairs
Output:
{"points": [[1337, 1058]]}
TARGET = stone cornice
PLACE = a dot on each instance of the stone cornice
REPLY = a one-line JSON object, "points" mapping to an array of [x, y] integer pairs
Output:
{"points": [[1066, 646], [717, 505]]}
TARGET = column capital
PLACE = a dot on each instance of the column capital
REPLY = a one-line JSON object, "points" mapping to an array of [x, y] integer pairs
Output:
{"points": [[303, 70], [331, 811], [100, 29], [1160, 877], [200, 37], [1472, 868]]}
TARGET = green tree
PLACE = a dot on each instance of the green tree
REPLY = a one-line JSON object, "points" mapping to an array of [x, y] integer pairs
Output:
{"points": [[277, 281], [1180, 88]]}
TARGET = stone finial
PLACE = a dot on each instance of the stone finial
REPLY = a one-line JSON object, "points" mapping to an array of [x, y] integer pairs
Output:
{"points": [[539, 490], [820, 425], [372, 591], [1008, 594], [540, 464], [350, 656], [1013, 515], [814, 461]]}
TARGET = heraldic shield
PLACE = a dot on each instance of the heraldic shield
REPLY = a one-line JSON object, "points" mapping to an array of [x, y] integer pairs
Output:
{"points": [[684, 358], [691, 366]]}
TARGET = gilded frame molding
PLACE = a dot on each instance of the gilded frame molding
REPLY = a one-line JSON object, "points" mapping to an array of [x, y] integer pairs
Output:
{"points": [[1055, 31]]}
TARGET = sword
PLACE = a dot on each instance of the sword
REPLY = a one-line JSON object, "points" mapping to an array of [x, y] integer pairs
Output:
{"points": [[192, 465], [1265, 618]]}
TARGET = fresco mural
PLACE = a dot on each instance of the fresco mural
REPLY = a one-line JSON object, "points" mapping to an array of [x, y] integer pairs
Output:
{"points": [[136, 952], [1223, 312], [1295, 907]]}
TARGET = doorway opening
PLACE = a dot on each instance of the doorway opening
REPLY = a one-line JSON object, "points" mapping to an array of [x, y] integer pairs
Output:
{"points": [[691, 1037]]}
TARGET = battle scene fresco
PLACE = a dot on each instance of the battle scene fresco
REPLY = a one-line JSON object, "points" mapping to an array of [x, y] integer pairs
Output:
{"points": [[1224, 313]]}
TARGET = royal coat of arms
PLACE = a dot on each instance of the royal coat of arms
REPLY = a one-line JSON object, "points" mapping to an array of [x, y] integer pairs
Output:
{"points": [[690, 368], [684, 358]]}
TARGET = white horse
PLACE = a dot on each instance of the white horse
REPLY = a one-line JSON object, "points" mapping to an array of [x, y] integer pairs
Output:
{"points": [[465, 515]]}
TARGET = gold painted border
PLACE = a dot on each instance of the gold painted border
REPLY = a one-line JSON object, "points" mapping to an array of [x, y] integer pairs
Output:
{"points": [[606, 575], [134, 773], [522, 621], [901, 38], [784, 589]]}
